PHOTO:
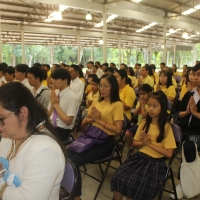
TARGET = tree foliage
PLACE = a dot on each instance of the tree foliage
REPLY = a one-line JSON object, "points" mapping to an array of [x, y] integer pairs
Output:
{"points": [[12, 54]]}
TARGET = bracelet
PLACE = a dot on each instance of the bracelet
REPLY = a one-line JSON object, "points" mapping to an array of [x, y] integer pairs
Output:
{"points": [[2, 190], [104, 125]]}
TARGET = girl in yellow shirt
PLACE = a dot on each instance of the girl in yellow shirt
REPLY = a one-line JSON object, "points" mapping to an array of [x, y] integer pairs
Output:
{"points": [[142, 176], [140, 111], [165, 84]]}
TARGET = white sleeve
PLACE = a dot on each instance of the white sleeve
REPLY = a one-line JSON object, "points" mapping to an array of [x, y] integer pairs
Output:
{"points": [[43, 173]]}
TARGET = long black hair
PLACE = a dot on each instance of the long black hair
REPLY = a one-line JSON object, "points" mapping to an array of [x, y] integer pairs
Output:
{"points": [[169, 77], [114, 92], [14, 96], [162, 120]]}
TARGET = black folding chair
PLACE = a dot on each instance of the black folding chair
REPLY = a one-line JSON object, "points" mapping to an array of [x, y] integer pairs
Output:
{"points": [[169, 173], [116, 154], [69, 182]]}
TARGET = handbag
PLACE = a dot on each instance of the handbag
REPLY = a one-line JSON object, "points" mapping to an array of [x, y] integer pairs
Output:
{"points": [[190, 176], [195, 139], [90, 137]]}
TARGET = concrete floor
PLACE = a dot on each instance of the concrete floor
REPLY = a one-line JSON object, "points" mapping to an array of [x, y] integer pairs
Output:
{"points": [[89, 185]]}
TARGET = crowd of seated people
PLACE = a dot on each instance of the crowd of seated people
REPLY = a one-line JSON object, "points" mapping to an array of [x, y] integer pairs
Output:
{"points": [[106, 96]]}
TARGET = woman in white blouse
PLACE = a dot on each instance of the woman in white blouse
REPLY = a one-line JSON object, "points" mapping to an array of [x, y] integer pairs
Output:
{"points": [[33, 152]]}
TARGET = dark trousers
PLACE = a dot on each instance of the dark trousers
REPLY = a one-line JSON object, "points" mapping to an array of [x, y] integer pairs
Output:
{"points": [[63, 134], [95, 153]]}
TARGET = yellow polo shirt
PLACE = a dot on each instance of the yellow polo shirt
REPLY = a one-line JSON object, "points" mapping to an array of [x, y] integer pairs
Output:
{"points": [[140, 118], [170, 91], [127, 95], [156, 77], [168, 142], [92, 97], [88, 89], [147, 80], [183, 91], [110, 112]]}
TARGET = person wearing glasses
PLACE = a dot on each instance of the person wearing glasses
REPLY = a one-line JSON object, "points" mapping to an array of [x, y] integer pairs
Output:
{"points": [[29, 144], [103, 121]]}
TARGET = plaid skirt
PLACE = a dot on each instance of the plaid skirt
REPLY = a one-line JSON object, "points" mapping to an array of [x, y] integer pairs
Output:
{"points": [[140, 177]]}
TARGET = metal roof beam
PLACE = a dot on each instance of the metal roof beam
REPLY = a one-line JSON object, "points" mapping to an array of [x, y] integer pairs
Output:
{"points": [[97, 35]]}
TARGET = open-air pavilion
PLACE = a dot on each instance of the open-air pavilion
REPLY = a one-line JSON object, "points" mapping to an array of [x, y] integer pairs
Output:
{"points": [[147, 25]]}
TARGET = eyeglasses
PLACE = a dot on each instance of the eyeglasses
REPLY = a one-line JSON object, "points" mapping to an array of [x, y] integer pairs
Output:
{"points": [[3, 118], [104, 86]]}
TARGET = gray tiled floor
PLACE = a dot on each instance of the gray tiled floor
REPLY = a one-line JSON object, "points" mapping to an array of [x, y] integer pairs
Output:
{"points": [[89, 185]]}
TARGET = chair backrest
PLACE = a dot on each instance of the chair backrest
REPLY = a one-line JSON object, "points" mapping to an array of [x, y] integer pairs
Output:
{"points": [[177, 133], [69, 181], [169, 107]]}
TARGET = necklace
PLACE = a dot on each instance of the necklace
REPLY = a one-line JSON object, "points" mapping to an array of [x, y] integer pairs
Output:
{"points": [[14, 148]]}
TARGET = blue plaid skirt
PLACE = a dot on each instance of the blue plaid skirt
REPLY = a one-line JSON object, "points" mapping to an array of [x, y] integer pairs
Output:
{"points": [[140, 177]]}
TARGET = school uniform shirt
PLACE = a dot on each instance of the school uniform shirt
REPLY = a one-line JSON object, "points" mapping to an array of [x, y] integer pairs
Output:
{"points": [[42, 97], [156, 77], [168, 142], [78, 87], [127, 95], [2, 79], [115, 111], [88, 89], [170, 91], [183, 91], [147, 80], [99, 73], [69, 104], [82, 79], [140, 118], [26, 83], [133, 79], [173, 82], [92, 96]]}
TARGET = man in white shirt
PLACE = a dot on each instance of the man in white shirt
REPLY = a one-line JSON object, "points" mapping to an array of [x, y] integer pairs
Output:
{"points": [[21, 74], [40, 92], [90, 64], [63, 107], [76, 84], [2, 79]]}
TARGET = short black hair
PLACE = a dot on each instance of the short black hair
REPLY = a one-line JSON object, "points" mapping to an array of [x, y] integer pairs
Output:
{"points": [[113, 64], [109, 69], [76, 67], [125, 65], [196, 67], [22, 68], [91, 62], [47, 65], [37, 72], [57, 66], [10, 70], [105, 64], [96, 80], [3, 66], [37, 65], [95, 66], [97, 63], [162, 63], [92, 76], [61, 73]]}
